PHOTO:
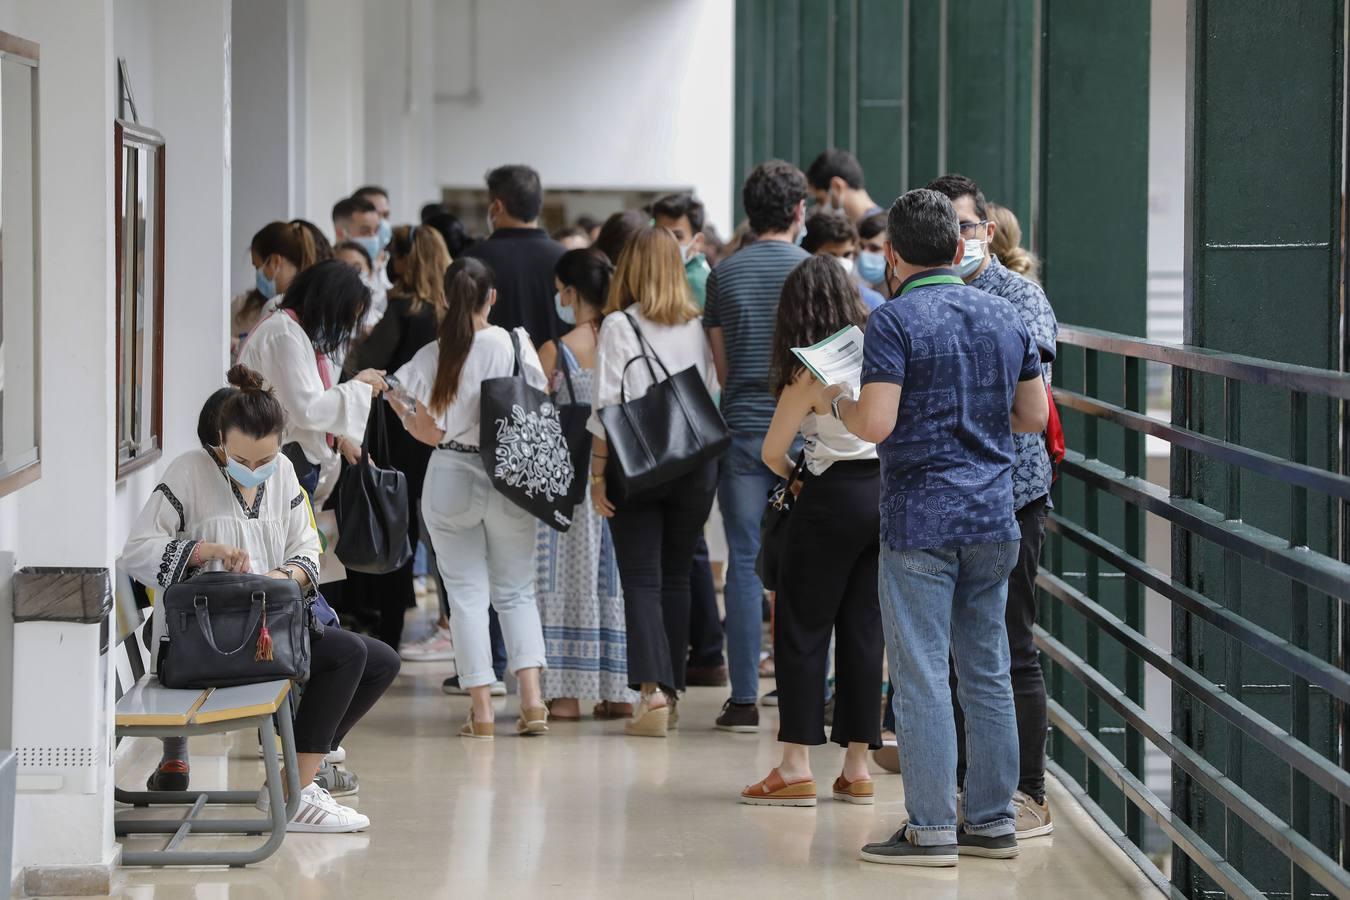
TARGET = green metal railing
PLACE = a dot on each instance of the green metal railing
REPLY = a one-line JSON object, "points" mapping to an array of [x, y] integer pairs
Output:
{"points": [[1092, 631]]}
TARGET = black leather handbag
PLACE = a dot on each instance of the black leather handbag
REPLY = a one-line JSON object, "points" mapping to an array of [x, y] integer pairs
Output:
{"points": [[223, 629], [372, 508], [773, 528], [667, 432], [524, 451]]}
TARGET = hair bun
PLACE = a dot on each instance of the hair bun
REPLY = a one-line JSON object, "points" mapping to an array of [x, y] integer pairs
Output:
{"points": [[247, 380]]}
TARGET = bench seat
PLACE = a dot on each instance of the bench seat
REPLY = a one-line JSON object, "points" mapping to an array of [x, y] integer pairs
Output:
{"points": [[149, 704]]}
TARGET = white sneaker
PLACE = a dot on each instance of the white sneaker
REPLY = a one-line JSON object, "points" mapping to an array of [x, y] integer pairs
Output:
{"points": [[452, 687], [318, 813], [437, 648], [337, 757]]}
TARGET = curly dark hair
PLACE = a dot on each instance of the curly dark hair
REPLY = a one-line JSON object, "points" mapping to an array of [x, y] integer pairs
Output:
{"points": [[828, 228], [818, 300], [771, 194]]}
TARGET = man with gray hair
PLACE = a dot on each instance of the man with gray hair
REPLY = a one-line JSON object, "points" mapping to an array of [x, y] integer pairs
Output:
{"points": [[949, 373]]}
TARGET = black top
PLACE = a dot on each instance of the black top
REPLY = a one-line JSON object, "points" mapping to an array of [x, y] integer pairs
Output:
{"points": [[523, 261], [396, 338]]}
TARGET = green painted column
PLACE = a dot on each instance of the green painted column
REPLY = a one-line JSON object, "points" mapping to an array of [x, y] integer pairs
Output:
{"points": [[1263, 268], [1091, 230]]}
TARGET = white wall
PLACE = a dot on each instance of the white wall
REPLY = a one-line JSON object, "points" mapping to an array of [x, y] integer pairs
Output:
{"points": [[592, 93]]}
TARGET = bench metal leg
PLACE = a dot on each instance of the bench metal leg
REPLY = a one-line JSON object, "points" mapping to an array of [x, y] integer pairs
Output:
{"points": [[274, 827]]}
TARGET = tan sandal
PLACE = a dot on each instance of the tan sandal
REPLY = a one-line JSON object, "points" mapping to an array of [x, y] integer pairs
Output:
{"points": [[774, 791], [478, 731], [533, 721], [861, 792], [648, 722]]}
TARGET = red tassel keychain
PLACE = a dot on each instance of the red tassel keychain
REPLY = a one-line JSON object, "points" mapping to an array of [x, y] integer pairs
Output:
{"points": [[264, 651]]}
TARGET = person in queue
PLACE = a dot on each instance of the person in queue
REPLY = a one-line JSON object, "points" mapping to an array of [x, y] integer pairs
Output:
{"points": [[484, 543], [235, 505], [828, 574], [654, 531], [292, 349]]}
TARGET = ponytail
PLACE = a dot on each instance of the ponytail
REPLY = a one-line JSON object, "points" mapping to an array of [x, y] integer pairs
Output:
{"points": [[468, 283], [292, 241]]}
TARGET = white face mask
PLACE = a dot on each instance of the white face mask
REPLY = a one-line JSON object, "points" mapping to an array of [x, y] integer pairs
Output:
{"points": [[974, 255], [846, 263], [687, 252]]}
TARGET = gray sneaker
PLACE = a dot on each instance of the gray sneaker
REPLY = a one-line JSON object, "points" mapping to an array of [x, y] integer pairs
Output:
{"points": [[1002, 847], [337, 782], [900, 851], [1033, 819]]}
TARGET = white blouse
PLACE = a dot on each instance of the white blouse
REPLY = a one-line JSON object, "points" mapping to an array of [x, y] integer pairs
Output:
{"points": [[490, 356], [280, 351], [827, 442], [677, 346], [196, 502]]}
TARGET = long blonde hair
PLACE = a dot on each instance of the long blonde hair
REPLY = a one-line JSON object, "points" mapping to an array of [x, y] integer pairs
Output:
{"points": [[650, 274], [1007, 243], [424, 258]]}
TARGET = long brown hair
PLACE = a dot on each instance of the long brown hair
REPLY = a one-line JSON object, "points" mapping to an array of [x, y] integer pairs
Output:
{"points": [[651, 275], [468, 284], [818, 300], [423, 256]]}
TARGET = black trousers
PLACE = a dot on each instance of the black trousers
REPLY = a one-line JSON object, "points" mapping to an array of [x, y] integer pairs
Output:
{"points": [[349, 672], [1028, 683], [828, 583], [706, 638], [654, 536]]}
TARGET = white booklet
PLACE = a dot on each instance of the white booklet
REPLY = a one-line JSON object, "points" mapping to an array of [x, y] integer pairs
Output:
{"points": [[836, 360]]}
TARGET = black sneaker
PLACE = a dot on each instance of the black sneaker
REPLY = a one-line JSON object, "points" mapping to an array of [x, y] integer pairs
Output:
{"points": [[1002, 847], [169, 775], [743, 717], [899, 851], [769, 699]]}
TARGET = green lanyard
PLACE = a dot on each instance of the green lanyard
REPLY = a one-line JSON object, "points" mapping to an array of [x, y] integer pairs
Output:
{"points": [[930, 279]]}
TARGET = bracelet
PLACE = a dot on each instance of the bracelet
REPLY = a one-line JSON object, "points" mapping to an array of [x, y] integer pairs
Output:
{"points": [[196, 558], [597, 479]]}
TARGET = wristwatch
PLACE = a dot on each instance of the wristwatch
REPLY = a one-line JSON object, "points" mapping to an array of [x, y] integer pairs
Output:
{"points": [[834, 405]]}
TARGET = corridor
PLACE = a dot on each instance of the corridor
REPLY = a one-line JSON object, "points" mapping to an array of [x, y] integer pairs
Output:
{"points": [[587, 812]]}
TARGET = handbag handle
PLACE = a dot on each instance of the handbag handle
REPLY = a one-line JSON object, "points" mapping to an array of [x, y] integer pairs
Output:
{"points": [[567, 371], [643, 347], [515, 348], [200, 603]]}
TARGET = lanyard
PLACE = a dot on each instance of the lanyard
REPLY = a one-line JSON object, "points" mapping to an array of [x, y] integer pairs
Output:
{"points": [[930, 279]]}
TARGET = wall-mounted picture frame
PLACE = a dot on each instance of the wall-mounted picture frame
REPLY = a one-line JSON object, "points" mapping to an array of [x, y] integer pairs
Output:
{"points": [[138, 217], [20, 284]]}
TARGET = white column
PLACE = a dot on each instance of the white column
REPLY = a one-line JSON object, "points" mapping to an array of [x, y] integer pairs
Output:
{"points": [[192, 101], [335, 56], [66, 517], [400, 110]]}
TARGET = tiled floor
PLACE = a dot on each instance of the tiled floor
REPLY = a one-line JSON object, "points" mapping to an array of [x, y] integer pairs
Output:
{"points": [[587, 812]]}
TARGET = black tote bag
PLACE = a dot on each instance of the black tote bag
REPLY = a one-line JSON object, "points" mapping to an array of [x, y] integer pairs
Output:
{"points": [[773, 527], [668, 432], [223, 629], [372, 508], [574, 417], [520, 439]]}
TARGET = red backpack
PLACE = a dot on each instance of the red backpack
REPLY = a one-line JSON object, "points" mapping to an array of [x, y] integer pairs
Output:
{"points": [[1054, 436]]}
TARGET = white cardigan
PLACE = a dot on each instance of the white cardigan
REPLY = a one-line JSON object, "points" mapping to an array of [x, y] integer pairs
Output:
{"points": [[280, 351]]}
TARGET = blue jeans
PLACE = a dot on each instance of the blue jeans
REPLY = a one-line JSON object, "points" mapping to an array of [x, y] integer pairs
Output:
{"points": [[743, 489], [936, 603]]}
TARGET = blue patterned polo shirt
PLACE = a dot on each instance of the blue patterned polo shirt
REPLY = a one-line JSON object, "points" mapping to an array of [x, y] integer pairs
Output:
{"points": [[1032, 473], [957, 354]]}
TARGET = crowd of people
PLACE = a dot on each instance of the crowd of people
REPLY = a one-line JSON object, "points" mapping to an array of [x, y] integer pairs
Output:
{"points": [[918, 498]]}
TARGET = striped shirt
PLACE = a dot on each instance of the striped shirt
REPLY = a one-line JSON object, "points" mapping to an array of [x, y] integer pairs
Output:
{"points": [[743, 301]]}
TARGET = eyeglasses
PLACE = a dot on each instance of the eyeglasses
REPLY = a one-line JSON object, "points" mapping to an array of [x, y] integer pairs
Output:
{"points": [[968, 228]]}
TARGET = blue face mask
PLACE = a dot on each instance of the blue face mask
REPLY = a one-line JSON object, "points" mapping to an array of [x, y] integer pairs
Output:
{"points": [[801, 235], [971, 261], [567, 313], [248, 478], [371, 244], [871, 266], [266, 286], [385, 233]]}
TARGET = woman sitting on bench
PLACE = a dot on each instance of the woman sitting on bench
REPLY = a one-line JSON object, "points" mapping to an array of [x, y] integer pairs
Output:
{"points": [[238, 507]]}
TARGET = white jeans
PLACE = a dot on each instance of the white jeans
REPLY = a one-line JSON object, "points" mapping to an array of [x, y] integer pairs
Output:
{"points": [[485, 551]]}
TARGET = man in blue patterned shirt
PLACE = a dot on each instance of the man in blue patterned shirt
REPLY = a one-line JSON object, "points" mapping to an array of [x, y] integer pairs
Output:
{"points": [[949, 374], [1031, 477]]}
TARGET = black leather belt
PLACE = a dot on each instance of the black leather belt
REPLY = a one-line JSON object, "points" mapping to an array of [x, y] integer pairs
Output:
{"points": [[457, 447]]}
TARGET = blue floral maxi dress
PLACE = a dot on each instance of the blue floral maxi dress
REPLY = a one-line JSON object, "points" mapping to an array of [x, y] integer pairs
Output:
{"points": [[577, 583]]}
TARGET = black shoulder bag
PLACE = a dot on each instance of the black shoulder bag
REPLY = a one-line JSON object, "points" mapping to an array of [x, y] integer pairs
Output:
{"points": [[521, 442], [667, 432], [372, 508], [773, 527]]}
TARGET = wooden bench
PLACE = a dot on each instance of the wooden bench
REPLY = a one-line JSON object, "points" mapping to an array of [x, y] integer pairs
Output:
{"points": [[147, 709]]}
